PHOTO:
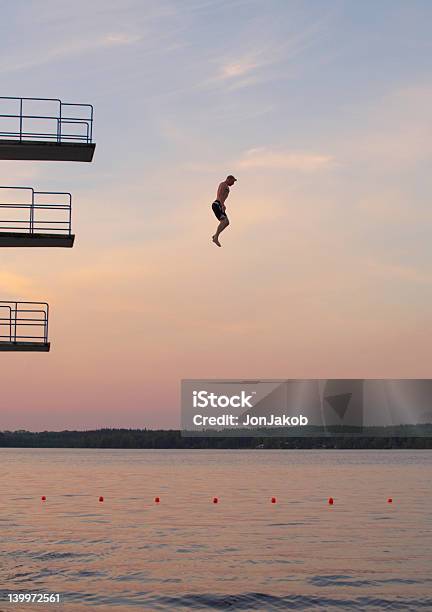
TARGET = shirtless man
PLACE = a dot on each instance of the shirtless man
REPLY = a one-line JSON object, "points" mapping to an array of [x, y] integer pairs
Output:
{"points": [[219, 208]]}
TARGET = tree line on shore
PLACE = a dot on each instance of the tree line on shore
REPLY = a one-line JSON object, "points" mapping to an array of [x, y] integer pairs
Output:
{"points": [[400, 438]]}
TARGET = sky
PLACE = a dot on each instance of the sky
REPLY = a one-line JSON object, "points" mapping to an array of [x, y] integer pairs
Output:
{"points": [[322, 112]]}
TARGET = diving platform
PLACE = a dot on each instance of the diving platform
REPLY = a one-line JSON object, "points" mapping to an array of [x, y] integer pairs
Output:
{"points": [[45, 129], [24, 326], [40, 150], [19, 239], [26, 347], [30, 218]]}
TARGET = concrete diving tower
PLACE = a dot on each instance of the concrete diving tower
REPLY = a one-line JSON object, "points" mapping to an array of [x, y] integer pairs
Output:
{"points": [[24, 326], [30, 218], [45, 129]]}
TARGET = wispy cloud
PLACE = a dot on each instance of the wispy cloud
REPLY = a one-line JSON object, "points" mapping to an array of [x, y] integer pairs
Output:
{"points": [[236, 69], [286, 160], [119, 38], [33, 58], [254, 62], [239, 68]]}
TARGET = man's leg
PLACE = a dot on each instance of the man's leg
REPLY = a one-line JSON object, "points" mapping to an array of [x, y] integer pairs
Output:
{"points": [[222, 225]]}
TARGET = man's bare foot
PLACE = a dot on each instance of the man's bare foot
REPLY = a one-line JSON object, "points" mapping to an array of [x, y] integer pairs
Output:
{"points": [[216, 241]]}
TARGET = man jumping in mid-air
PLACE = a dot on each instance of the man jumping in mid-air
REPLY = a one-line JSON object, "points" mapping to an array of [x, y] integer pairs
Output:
{"points": [[219, 208]]}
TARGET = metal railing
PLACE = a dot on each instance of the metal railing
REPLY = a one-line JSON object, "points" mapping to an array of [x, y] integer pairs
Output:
{"points": [[24, 322], [23, 122], [31, 211]]}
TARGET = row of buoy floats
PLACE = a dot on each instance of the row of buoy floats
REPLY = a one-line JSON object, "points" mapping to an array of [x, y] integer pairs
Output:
{"points": [[215, 500]]}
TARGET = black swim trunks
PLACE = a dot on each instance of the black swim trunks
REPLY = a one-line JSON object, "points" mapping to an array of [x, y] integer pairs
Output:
{"points": [[218, 210]]}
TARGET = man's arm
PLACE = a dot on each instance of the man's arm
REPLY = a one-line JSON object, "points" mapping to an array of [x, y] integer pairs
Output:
{"points": [[222, 193]]}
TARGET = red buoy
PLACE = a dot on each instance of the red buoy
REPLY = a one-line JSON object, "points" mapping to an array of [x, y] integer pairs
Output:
{"points": [[215, 500], [390, 500], [101, 498], [273, 500], [157, 500], [43, 498], [331, 501]]}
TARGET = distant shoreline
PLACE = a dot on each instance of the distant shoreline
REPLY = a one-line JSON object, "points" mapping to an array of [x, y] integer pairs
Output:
{"points": [[400, 438]]}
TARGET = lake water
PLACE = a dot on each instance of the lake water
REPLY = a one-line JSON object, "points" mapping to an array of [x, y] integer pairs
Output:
{"points": [[243, 553]]}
